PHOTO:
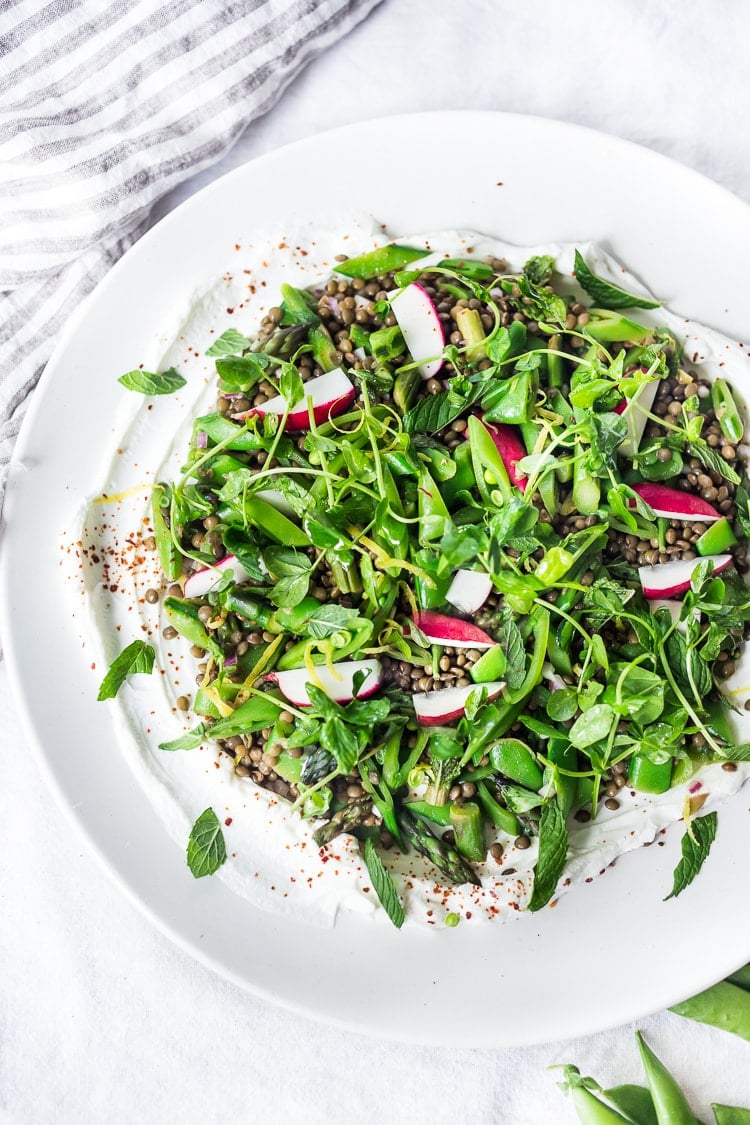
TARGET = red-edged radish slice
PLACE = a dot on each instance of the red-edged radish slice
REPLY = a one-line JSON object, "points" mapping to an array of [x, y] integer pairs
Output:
{"points": [[433, 708], [337, 682], [330, 393], [511, 449], [672, 504], [201, 582], [674, 609], [469, 590], [636, 417], [667, 580], [440, 629], [421, 328]]}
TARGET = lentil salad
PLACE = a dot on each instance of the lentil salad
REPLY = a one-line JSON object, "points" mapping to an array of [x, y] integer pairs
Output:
{"points": [[510, 467]]}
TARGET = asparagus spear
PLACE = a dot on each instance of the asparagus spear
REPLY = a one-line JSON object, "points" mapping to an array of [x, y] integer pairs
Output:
{"points": [[342, 821], [441, 855]]}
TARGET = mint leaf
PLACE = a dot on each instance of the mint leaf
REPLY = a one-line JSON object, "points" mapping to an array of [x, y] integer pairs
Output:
{"points": [[230, 342], [206, 850], [187, 741], [696, 844], [290, 590], [383, 884], [604, 293], [137, 657], [515, 654], [553, 851], [151, 383], [329, 619], [739, 753], [240, 372]]}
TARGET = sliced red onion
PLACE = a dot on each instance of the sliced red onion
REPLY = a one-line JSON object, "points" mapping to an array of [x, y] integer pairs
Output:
{"points": [[201, 440], [695, 787]]}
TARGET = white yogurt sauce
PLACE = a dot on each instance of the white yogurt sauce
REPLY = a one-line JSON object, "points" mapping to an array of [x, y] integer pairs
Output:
{"points": [[272, 860]]}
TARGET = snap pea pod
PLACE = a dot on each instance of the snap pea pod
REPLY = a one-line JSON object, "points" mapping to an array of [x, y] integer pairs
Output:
{"points": [[726, 411], [405, 389], [385, 259], [218, 428], [254, 714], [273, 523], [670, 1103], [561, 753], [649, 777], [500, 816], [266, 617], [592, 1111], [724, 1005], [183, 616], [463, 479], [169, 557], [468, 831], [514, 759], [434, 517], [741, 978], [323, 348], [730, 1114], [489, 469], [298, 306], [438, 814]]}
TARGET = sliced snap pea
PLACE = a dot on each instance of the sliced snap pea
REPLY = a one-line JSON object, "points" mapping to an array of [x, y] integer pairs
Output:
{"points": [[183, 616], [468, 829], [501, 817], [649, 777], [438, 814], [169, 556], [726, 411]]}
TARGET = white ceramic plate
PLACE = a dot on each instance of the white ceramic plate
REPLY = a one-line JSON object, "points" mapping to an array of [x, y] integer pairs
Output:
{"points": [[525, 180]]}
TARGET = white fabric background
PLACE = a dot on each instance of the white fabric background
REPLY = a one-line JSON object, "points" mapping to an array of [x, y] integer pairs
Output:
{"points": [[102, 1019]]}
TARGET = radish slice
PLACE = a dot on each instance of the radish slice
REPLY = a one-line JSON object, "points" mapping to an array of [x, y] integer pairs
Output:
{"points": [[331, 394], [439, 629], [421, 327], [201, 582], [672, 504], [636, 417], [666, 580], [433, 708], [469, 590], [336, 682], [512, 450]]}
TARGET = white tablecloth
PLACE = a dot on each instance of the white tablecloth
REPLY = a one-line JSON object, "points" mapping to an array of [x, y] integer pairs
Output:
{"points": [[102, 1019]]}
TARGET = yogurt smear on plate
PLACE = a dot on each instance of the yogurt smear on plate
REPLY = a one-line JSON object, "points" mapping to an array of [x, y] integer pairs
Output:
{"points": [[111, 564]]}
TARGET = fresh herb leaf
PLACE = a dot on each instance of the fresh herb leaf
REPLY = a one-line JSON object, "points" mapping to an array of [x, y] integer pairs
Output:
{"points": [[435, 412], [206, 850], [230, 342], [696, 844], [562, 704], [240, 372], [290, 591], [330, 619], [187, 741], [383, 884], [137, 657], [515, 653], [152, 383], [539, 269], [604, 292], [593, 726], [713, 460], [553, 851], [739, 753]]}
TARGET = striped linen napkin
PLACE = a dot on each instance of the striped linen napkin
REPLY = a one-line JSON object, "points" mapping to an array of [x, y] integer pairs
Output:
{"points": [[103, 109]]}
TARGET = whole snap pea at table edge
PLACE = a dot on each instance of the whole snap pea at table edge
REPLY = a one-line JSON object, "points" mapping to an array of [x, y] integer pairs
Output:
{"points": [[730, 1114], [468, 830], [670, 1103], [514, 759], [170, 558], [592, 1111], [183, 616], [726, 411], [724, 1005], [649, 777], [741, 978], [635, 1102]]}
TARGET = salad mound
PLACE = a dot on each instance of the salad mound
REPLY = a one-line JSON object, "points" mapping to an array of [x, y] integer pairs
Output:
{"points": [[461, 554]]}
